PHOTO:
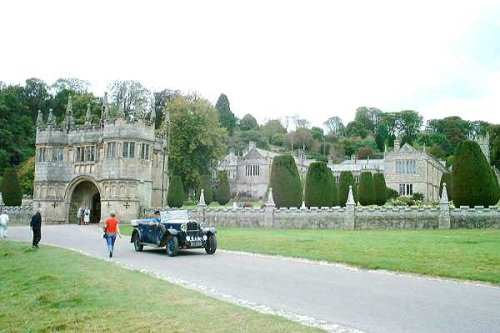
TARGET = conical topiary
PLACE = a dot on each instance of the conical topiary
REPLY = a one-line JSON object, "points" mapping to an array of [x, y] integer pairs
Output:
{"points": [[366, 189], [285, 182], [175, 197], [222, 195], [11, 188], [319, 186], [471, 176], [380, 189]]}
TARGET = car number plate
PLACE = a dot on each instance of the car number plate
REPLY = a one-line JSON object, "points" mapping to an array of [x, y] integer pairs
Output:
{"points": [[195, 243]]}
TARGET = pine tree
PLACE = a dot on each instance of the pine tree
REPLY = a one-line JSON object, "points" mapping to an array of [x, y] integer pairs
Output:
{"points": [[205, 184], [226, 117], [11, 188], [471, 176], [366, 189], [222, 195], [346, 179], [446, 178], [319, 186], [380, 189], [285, 182], [175, 197]]}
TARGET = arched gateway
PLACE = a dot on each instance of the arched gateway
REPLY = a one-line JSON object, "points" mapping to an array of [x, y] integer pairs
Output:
{"points": [[117, 164]]}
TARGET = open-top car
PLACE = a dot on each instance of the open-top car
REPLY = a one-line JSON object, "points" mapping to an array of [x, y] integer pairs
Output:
{"points": [[174, 231]]}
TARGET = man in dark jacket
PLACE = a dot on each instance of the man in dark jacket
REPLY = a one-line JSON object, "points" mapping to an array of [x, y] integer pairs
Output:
{"points": [[36, 226]]}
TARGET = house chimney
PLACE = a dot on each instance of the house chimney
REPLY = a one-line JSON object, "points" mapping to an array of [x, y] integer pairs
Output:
{"points": [[251, 145], [396, 145]]}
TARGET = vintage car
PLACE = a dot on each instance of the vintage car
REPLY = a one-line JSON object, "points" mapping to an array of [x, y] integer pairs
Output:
{"points": [[175, 231]]}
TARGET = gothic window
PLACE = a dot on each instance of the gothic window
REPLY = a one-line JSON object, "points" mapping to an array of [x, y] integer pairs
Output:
{"points": [[42, 154], [85, 154], [406, 166], [57, 154], [406, 190], [128, 149], [111, 150], [356, 179], [252, 170], [144, 151]]}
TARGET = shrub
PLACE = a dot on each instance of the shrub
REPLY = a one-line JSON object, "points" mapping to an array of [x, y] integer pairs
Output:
{"points": [[11, 189], [380, 189], [346, 179], [205, 184], [175, 197], [319, 186], [366, 189], [285, 182], [473, 184], [391, 193], [222, 195]]}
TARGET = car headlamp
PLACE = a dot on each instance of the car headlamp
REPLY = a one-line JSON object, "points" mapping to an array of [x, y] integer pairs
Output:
{"points": [[184, 227]]}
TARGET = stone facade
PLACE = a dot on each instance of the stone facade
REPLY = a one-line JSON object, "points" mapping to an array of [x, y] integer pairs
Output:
{"points": [[117, 164], [406, 170]]}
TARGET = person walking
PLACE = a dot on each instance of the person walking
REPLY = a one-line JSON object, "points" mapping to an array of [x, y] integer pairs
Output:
{"points": [[86, 216], [4, 221], [36, 227], [111, 229]]}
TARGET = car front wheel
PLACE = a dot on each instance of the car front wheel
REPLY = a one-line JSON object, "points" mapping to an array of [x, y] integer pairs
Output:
{"points": [[137, 245], [211, 244], [172, 246]]}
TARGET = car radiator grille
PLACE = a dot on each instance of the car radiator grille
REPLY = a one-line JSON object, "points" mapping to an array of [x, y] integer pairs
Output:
{"points": [[192, 226]]}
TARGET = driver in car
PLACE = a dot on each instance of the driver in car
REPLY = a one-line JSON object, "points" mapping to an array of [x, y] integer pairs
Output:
{"points": [[155, 221]]}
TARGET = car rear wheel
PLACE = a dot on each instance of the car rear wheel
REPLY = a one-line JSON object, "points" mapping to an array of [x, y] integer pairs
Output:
{"points": [[211, 244], [172, 246], [137, 245]]}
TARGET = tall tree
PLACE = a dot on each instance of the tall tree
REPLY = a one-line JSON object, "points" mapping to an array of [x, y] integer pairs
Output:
{"points": [[271, 128], [369, 117], [71, 83], [319, 186], [196, 138], [248, 122], [161, 98], [409, 124], [285, 182], [36, 96], [226, 117], [131, 96], [335, 126]]}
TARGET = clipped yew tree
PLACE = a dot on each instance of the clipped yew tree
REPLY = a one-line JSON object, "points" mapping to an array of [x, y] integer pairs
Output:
{"points": [[319, 186], [366, 189], [495, 190], [175, 197], [380, 189], [11, 188], [471, 177], [345, 180], [285, 182], [446, 178], [205, 184], [222, 195]]}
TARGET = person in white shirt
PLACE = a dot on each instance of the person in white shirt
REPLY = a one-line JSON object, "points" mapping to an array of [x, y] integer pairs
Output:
{"points": [[4, 221], [86, 216]]}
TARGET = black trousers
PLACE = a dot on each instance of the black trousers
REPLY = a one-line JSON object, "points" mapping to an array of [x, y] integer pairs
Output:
{"points": [[37, 235]]}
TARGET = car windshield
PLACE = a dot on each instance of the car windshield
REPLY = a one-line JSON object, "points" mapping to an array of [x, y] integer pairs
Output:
{"points": [[174, 216]]}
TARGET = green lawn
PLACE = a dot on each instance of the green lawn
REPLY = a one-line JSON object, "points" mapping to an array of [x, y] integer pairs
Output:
{"points": [[462, 254], [56, 290]]}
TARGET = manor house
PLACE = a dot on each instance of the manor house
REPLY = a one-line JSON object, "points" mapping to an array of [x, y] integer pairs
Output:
{"points": [[406, 169], [115, 164]]}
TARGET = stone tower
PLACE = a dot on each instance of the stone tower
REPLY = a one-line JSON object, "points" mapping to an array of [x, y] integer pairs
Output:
{"points": [[114, 164]]}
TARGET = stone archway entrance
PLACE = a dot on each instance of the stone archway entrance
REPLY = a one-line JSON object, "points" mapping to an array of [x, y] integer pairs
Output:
{"points": [[84, 195]]}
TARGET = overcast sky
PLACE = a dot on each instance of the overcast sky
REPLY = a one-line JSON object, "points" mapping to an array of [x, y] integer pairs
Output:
{"points": [[314, 59]]}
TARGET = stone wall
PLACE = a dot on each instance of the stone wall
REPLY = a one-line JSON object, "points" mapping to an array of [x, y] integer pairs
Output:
{"points": [[361, 218], [18, 215]]}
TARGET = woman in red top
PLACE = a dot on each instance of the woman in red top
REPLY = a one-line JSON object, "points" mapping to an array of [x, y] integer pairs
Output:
{"points": [[111, 229]]}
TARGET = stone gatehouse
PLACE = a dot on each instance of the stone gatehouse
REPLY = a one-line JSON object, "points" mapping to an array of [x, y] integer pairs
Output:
{"points": [[117, 164]]}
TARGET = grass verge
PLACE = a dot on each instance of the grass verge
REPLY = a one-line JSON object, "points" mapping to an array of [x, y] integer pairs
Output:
{"points": [[56, 290]]}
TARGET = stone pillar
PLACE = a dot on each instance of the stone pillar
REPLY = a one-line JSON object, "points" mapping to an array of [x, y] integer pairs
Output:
{"points": [[201, 207], [269, 210], [349, 221], [1, 200], [444, 210]]}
